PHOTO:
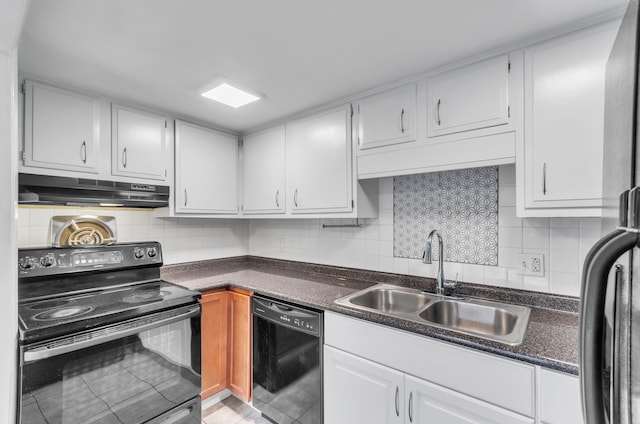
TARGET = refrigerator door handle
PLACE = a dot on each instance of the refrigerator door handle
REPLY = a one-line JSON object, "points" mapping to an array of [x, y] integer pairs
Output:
{"points": [[598, 263]]}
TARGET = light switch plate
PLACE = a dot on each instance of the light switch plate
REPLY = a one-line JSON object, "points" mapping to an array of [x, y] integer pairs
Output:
{"points": [[531, 264]]}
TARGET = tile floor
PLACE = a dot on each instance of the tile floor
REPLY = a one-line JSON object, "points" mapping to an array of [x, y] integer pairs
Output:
{"points": [[232, 411]]}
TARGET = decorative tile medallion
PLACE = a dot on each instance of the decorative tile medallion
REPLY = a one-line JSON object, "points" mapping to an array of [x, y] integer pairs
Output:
{"points": [[461, 204]]}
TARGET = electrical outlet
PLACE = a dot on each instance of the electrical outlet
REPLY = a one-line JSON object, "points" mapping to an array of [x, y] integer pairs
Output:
{"points": [[531, 264]]}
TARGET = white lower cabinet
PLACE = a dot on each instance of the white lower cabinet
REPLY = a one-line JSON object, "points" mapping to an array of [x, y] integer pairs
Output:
{"points": [[430, 403], [558, 398], [360, 391]]}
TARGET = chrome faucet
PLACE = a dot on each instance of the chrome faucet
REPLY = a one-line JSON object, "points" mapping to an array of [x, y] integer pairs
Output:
{"points": [[426, 258]]}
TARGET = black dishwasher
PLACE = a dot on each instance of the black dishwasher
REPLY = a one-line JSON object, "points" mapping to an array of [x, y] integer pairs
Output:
{"points": [[287, 362]]}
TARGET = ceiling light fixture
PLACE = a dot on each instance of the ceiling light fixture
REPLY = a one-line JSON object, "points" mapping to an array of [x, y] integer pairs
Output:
{"points": [[224, 92]]}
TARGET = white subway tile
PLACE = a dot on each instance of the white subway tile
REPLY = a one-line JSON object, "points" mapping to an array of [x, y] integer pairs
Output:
{"points": [[507, 175], [510, 237], [565, 283], [23, 218], [507, 196], [472, 273], [514, 280], [536, 222], [564, 261], [565, 222], [539, 284], [386, 232], [401, 265], [593, 223], [507, 217], [385, 185], [565, 239], [385, 201], [535, 238], [508, 256], [495, 276]]}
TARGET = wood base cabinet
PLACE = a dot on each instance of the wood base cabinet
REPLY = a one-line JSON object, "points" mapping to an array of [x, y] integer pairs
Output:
{"points": [[215, 306], [226, 343], [240, 345]]}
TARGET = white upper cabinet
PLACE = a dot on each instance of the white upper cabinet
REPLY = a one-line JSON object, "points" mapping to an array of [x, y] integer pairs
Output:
{"points": [[61, 129], [468, 98], [319, 168], [560, 164], [139, 143], [387, 118], [206, 170], [264, 172]]}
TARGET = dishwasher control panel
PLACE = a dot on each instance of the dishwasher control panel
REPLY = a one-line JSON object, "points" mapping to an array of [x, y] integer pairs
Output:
{"points": [[293, 316]]}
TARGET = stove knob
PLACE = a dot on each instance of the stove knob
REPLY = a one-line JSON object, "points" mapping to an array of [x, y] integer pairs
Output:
{"points": [[152, 252], [26, 263], [138, 252], [47, 261]]}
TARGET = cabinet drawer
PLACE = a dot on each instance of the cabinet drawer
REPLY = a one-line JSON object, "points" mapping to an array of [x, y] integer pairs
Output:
{"points": [[455, 367]]}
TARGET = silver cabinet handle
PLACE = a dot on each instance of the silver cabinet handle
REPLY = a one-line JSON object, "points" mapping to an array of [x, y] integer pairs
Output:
{"points": [[278, 198], [438, 112], [83, 151], [411, 407], [295, 198], [402, 121], [185, 197], [544, 178], [397, 401], [124, 157]]}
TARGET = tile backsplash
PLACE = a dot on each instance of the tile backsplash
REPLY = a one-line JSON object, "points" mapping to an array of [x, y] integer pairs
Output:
{"points": [[563, 241], [183, 239], [461, 204]]}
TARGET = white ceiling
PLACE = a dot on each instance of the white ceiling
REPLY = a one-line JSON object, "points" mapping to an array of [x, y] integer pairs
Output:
{"points": [[299, 53]]}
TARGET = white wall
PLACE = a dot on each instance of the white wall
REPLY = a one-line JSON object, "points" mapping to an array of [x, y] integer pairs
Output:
{"points": [[564, 242], [183, 240]]}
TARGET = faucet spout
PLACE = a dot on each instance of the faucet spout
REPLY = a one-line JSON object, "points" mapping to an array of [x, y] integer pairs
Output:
{"points": [[427, 259]]}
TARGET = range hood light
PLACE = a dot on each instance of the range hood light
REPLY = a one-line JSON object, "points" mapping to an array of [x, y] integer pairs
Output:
{"points": [[231, 96], [111, 205]]}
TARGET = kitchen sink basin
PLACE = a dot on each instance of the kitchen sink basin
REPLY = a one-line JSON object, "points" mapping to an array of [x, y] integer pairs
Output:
{"points": [[391, 300], [494, 321]]}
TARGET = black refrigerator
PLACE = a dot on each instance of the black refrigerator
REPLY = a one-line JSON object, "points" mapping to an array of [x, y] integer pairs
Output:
{"points": [[610, 295]]}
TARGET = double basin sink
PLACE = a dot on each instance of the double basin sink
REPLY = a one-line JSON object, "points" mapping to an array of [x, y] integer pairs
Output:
{"points": [[499, 322]]}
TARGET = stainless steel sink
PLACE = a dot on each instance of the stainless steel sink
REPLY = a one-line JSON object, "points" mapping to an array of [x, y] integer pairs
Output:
{"points": [[494, 321], [391, 300]]}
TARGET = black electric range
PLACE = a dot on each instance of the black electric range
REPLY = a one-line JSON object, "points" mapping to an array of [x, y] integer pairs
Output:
{"points": [[104, 339]]}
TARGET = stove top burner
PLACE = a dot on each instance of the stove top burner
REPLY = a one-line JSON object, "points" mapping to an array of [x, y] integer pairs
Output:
{"points": [[146, 296], [62, 313], [47, 318]]}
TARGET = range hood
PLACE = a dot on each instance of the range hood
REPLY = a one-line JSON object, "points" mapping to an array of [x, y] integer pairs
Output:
{"points": [[47, 190]]}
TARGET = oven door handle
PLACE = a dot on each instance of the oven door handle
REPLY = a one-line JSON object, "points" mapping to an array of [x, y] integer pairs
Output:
{"points": [[101, 336]]}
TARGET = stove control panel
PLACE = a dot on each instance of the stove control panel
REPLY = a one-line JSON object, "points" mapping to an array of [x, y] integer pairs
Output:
{"points": [[63, 260]]}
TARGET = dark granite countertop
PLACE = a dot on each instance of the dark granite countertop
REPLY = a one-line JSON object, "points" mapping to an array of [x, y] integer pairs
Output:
{"points": [[552, 334]]}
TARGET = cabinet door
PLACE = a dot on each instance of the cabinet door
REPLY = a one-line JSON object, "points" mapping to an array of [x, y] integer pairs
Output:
{"points": [[559, 398], [429, 403], [319, 162], [263, 172], [387, 118], [469, 98], [564, 120], [62, 129], [360, 391], [215, 309], [206, 170], [240, 345], [138, 141]]}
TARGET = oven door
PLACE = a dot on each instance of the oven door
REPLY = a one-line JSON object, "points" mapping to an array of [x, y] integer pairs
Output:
{"points": [[145, 370]]}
